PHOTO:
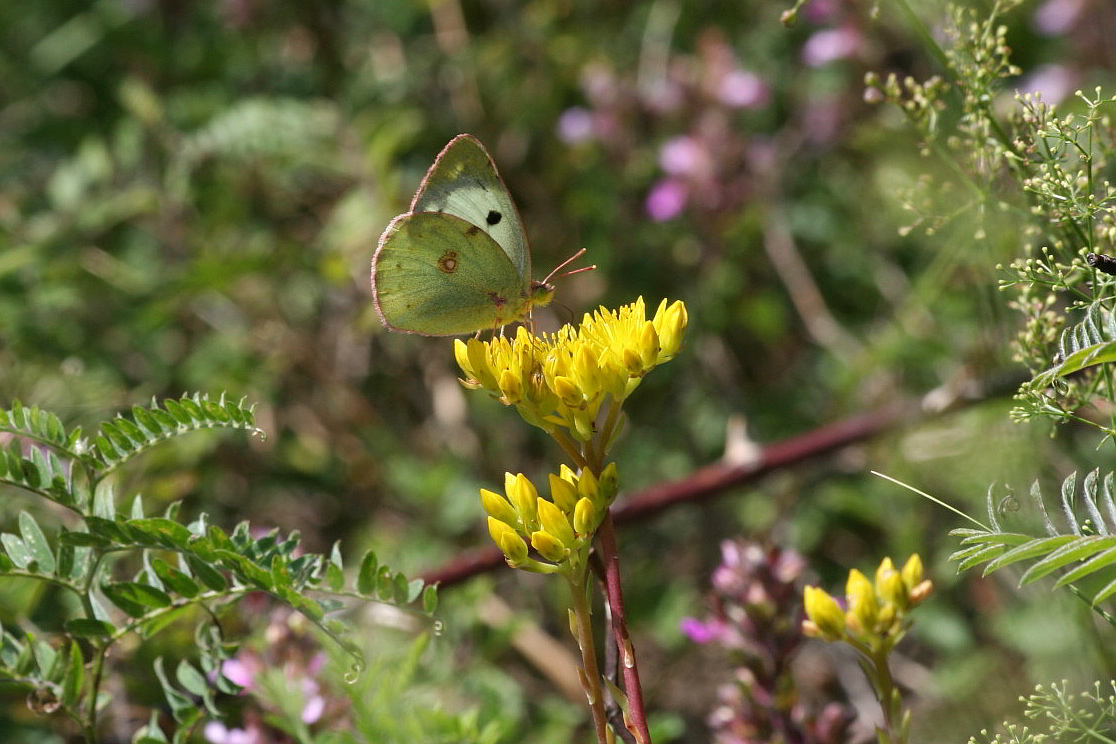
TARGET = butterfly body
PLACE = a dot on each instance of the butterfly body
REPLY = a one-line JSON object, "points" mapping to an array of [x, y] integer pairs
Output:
{"points": [[458, 262]]}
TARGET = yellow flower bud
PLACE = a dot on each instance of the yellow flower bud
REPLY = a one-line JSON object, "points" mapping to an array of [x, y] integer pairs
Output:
{"points": [[587, 484], [632, 363], [479, 366], [497, 506], [825, 613], [861, 595], [461, 354], [885, 567], [549, 547], [511, 386], [670, 322], [522, 493], [912, 571], [584, 371], [510, 543], [567, 391], [554, 522], [563, 493], [889, 584], [585, 517], [649, 345], [607, 485]]}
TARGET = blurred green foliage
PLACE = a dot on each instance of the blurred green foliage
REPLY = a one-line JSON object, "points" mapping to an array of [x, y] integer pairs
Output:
{"points": [[191, 193]]}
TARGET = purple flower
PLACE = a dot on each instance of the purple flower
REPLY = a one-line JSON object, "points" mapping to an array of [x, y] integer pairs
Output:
{"points": [[831, 45], [1052, 82], [667, 199], [239, 672], [698, 631], [313, 709], [576, 125], [742, 89], [821, 11], [216, 732], [1055, 17], [682, 156]]}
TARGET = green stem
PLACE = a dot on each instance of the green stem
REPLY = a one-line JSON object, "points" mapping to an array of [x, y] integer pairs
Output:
{"points": [[591, 678]]}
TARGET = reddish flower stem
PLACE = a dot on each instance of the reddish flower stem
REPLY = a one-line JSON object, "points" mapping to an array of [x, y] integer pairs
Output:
{"points": [[606, 544]]}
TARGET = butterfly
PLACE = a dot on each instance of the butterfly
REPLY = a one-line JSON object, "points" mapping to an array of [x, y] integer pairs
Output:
{"points": [[458, 262]]}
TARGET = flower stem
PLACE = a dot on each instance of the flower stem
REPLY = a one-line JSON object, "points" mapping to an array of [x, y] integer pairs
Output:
{"points": [[591, 676], [606, 543]]}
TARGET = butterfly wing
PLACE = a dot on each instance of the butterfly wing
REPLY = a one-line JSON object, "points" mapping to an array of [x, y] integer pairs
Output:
{"points": [[463, 182], [437, 274]]}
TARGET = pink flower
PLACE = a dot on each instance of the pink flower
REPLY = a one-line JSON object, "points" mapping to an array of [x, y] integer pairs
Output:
{"points": [[576, 125], [216, 732], [667, 199], [831, 45], [1052, 82], [742, 89], [1055, 17], [683, 156], [240, 672], [697, 631]]}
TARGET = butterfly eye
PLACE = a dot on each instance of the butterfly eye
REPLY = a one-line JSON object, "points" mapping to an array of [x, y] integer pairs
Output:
{"points": [[493, 218]]}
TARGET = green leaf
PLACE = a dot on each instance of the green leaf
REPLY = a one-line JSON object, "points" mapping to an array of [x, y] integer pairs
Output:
{"points": [[135, 599], [159, 531], [36, 542], [17, 550], [1081, 359], [207, 574], [280, 576], [430, 599], [45, 656], [180, 704], [366, 579], [1039, 546], [107, 529], [31, 473], [83, 539], [191, 679], [175, 580], [1094, 564], [147, 421], [151, 733], [385, 583], [1078, 550], [335, 577], [414, 589], [75, 677], [89, 628], [976, 555], [104, 501], [399, 589]]}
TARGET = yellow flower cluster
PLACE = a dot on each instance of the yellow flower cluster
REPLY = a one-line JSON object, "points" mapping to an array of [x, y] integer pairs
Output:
{"points": [[563, 380], [560, 530], [877, 612]]}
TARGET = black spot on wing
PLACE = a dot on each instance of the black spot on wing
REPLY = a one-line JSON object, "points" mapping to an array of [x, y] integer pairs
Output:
{"points": [[493, 218]]}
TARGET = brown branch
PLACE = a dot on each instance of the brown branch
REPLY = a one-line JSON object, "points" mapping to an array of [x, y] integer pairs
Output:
{"points": [[704, 483]]}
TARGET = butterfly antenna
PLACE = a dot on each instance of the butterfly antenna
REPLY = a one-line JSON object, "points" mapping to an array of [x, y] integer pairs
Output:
{"points": [[555, 275]]}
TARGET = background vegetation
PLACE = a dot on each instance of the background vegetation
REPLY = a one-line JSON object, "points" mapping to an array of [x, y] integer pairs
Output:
{"points": [[191, 193]]}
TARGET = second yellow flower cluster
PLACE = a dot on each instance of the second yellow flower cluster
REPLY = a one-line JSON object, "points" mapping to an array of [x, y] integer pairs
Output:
{"points": [[560, 530]]}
